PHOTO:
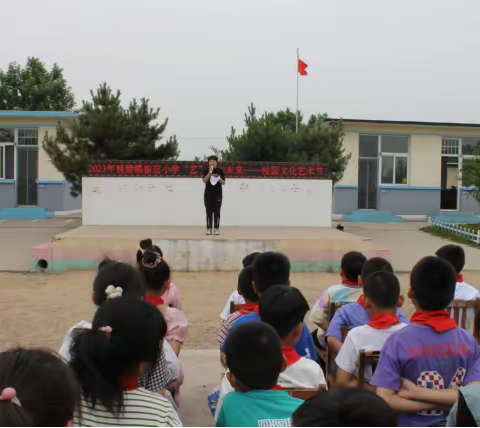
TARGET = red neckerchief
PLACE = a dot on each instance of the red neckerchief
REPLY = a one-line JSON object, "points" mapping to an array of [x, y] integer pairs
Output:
{"points": [[381, 322], [459, 277], [276, 388], [130, 383], [155, 300], [440, 321], [290, 355], [353, 283], [361, 301], [248, 309]]}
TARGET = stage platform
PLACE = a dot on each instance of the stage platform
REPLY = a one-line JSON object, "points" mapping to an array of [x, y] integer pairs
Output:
{"points": [[310, 249]]}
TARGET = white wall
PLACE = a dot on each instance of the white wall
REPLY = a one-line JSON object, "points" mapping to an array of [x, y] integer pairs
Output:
{"points": [[179, 202]]}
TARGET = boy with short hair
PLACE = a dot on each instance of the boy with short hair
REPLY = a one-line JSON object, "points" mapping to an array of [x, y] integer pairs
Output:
{"points": [[269, 269], [354, 314], [235, 297], [431, 351], [245, 289], [255, 360], [463, 291], [382, 291]]}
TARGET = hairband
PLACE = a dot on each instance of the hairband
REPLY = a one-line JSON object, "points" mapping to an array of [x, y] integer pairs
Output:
{"points": [[107, 330], [111, 291], [155, 263], [9, 394]]}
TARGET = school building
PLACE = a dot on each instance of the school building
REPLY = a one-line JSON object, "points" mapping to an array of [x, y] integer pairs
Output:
{"points": [[406, 168], [28, 178]]}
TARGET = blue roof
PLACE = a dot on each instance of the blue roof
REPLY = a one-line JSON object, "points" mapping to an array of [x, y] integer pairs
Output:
{"points": [[17, 113]]}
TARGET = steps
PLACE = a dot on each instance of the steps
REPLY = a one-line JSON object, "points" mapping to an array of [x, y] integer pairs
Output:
{"points": [[457, 217], [33, 213], [361, 216]]}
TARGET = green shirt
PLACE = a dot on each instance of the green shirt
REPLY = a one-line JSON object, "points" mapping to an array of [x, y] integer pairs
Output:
{"points": [[257, 409]]}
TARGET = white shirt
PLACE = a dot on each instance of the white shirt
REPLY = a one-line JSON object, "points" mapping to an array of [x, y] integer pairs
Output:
{"points": [[304, 373], [464, 291], [363, 337], [236, 299]]}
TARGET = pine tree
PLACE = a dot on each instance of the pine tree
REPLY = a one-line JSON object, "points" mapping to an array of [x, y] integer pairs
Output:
{"points": [[105, 130]]}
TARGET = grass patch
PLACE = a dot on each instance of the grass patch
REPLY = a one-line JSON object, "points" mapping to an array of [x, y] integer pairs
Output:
{"points": [[446, 234]]}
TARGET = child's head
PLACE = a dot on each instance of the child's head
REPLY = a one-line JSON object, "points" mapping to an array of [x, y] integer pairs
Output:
{"points": [[453, 254], [284, 308], [432, 283], [155, 271], [213, 161], [269, 269], [382, 291], [248, 260], [123, 342], [146, 244], [345, 407], [37, 389], [116, 279], [245, 285], [351, 265], [375, 264], [254, 357]]}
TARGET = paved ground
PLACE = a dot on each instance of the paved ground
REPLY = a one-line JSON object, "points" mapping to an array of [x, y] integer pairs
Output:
{"points": [[408, 243], [18, 236]]}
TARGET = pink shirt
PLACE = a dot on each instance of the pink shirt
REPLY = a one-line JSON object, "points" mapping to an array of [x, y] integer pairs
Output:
{"points": [[172, 298]]}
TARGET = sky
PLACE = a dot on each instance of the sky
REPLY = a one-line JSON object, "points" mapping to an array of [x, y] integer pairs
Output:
{"points": [[204, 61]]}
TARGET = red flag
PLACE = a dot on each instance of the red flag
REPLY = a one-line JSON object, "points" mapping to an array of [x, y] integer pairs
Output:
{"points": [[302, 67]]}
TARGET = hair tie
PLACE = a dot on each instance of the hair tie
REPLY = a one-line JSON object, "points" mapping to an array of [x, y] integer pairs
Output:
{"points": [[155, 263], [111, 291], [107, 330], [9, 394]]}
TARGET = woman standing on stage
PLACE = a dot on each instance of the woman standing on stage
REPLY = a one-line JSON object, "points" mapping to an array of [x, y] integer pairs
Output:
{"points": [[214, 179]]}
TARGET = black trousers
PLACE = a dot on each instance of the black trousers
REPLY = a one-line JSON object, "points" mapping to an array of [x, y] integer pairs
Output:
{"points": [[213, 205]]}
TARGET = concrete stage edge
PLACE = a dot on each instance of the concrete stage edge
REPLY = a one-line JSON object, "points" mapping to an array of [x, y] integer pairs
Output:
{"points": [[188, 249]]}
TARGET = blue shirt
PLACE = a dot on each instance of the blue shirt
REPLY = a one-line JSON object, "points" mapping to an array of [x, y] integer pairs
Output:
{"points": [[257, 409], [304, 347], [353, 315]]}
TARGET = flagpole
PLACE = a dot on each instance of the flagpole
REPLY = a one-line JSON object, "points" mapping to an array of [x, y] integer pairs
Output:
{"points": [[296, 114]]}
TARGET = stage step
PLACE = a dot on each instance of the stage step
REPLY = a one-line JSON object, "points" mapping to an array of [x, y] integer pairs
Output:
{"points": [[360, 216], [33, 213]]}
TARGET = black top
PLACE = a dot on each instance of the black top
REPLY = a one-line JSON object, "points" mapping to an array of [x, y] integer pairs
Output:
{"points": [[210, 190]]}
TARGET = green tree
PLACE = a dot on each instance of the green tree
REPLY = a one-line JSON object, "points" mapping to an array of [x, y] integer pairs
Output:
{"points": [[34, 88], [471, 175], [272, 138], [105, 130]]}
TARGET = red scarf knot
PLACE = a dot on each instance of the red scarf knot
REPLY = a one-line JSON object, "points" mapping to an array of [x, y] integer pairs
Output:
{"points": [[130, 383], [290, 355], [460, 278], [440, 321], [361, 301], [154, 300], [276, 388], [381, 322], [248, 309]]}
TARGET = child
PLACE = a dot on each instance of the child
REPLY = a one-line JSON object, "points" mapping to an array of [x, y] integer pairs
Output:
{"points": [[171, 294], [245, 289], [255, 360], [116, 279], [463, 291], [284, 308], [123, 342], [156, 274], [345, 407], [36, 389], [235, 297], [430, 352], [382, 291], [354, 314], [271, 269], [348, 291]]}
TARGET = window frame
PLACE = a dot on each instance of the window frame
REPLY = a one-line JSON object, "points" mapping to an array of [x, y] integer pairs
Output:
{"points": [[4, 144]]}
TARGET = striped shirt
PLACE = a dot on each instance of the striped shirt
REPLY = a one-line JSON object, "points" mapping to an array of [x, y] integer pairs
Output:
{"points": [[223, 333], [142, 408]]}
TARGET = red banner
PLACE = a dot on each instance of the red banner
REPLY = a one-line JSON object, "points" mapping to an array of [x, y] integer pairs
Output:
{"points": [[111, 168]]}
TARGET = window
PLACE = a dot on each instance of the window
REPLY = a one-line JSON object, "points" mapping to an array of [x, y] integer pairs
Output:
{"points": [[7, 135], [7, 158], [394, 144], [28, 137], [368, 146], [394, 150], [449, 146], [471, 146]]}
